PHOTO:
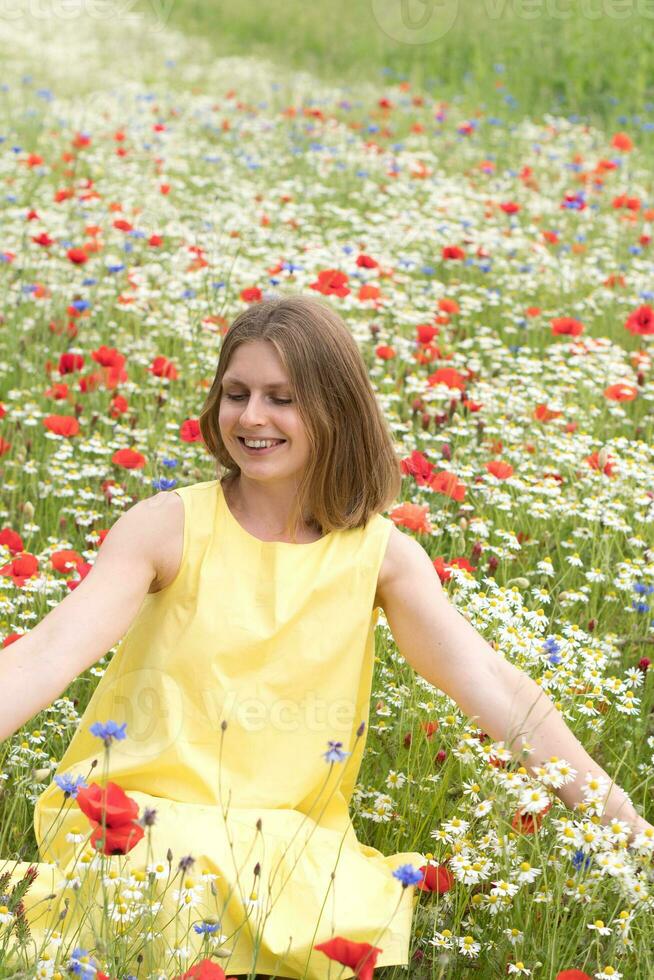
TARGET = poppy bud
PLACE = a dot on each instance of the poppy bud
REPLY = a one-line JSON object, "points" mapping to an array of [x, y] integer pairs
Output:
{"points": [[257, 870], [374, 329], [28, 510], [440, 756], [477, 549], [259, 824], [407, 740], [493, 562], [592, 623], [417, 405], [425, 420], [446, 451], [643, 664], [640, 378]]}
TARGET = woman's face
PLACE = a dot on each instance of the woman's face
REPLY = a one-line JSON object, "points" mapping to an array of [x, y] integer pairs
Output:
{"points": [[257, 402]]}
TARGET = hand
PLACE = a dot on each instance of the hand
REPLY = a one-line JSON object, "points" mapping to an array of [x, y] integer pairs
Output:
{"points": [[639, 825]]}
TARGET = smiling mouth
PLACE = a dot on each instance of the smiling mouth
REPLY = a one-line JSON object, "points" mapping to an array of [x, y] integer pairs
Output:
{"points": [[262, 449]]}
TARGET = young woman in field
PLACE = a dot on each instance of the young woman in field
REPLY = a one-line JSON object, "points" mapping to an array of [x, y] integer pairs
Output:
{"points": [[251, 599]]}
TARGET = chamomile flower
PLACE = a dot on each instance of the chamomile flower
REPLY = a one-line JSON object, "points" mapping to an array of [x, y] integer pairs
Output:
{"points": [[599, 927], [468, 946]]}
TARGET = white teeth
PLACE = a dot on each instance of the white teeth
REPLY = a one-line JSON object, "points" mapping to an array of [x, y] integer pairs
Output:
{"points": [[259, 443]]}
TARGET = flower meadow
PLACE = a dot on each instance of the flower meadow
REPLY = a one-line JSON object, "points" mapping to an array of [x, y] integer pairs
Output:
{"points": [[498, 275]]}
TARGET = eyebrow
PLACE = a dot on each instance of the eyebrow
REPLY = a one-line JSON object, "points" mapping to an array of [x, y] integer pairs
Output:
{"points": [[270, 387]]}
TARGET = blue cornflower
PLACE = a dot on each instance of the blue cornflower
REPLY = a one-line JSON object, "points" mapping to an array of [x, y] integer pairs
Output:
{"points": [[335, 752], [70, 786], [408, 875], [641, 589], [206, 928], [552, 649], [170, 463], [162, 483], [579, 859], [82, 963], [639, 607], [109, 731]]}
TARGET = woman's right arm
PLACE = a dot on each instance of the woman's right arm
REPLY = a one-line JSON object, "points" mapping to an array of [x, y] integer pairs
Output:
{"points": [[38, 668]]}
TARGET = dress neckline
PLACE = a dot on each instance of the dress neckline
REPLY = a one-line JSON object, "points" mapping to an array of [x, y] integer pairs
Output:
{"points": [[279, 544]]}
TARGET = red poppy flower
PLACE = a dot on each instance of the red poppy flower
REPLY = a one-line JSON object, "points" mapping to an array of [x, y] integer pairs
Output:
{"points": [[204, 970], [426, 332], [448, 306], [510, 207], [251, 295], [77, 256], [111, 806], [360, 957], [499, 469], [163, 368], [369, 291], [621, 393], [129, 458], [11, 539], [331, 282], [65, 560], [189, 431], [544, 414], [529, 823], [366, 262], [415, 517], [20, 569], [567, 325], [572, 975], [69, 363], [621, 141], [447, 376], [418, 466], [594, 462], [453, 252], [641, 321], [61, 425], [437, 878], [448, 484]]}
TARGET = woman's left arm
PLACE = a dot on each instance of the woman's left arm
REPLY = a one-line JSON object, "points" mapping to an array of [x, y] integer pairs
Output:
{"points": [[442, 646]]}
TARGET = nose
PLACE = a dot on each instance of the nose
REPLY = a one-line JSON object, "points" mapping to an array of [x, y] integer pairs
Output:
{"points": [[253, 414]]}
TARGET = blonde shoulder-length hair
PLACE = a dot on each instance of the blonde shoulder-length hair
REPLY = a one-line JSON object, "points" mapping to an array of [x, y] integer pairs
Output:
{"points": [[353, 471]]}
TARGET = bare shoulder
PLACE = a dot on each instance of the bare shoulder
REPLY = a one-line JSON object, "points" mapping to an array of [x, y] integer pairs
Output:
{"points": [[162, 526], [404, 556]]}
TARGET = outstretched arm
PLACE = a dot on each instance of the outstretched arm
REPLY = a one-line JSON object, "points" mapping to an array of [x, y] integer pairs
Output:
{"points": [[442, 646]]}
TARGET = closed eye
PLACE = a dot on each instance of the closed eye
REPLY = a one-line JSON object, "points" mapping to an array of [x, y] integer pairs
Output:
{"points": [[280, 401]]}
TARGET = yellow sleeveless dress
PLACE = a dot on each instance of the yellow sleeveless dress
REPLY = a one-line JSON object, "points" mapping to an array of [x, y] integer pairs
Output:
{"points": [[276, 639]]}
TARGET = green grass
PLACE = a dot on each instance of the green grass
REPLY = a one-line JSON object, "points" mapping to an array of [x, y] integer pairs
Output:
{"points": [[557, 56]]}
